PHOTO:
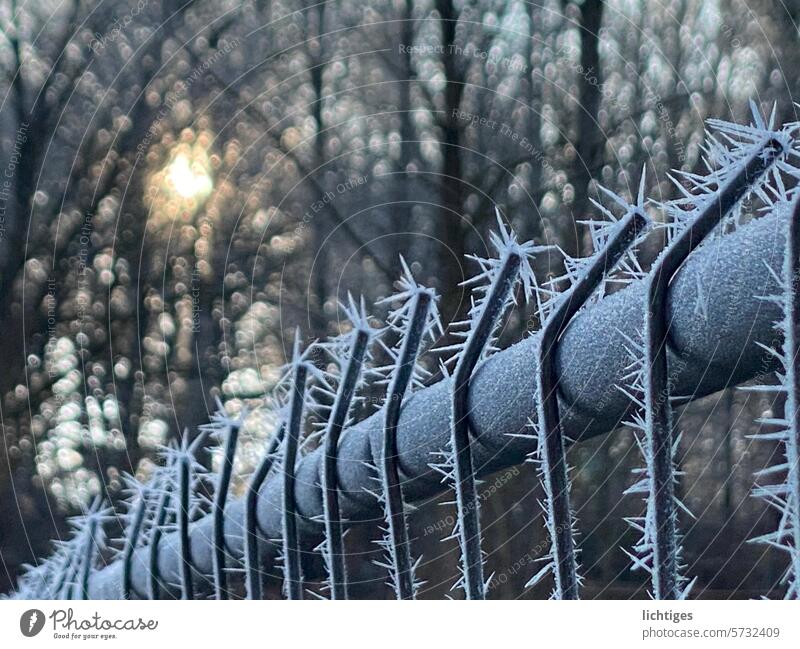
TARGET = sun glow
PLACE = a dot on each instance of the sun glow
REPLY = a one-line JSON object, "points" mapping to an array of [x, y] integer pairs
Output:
{"points": [[184, 180], [189, 179]]}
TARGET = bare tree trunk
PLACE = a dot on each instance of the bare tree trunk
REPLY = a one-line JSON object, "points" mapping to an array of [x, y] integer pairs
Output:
{"points": [[449, 228], [589, 140], [322, 229]]}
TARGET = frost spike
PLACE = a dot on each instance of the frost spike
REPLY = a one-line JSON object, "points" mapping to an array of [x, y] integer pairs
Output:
{"points": [[251, 537], [784, 496], [178, 472], [158, 523], [552, 454], [291, 545], [184, 496], [658, 411], [496, 300], [131, 539], [232, 428], [334, 536], [93, 523], [792, 355], [68, 587], [401, 378]]}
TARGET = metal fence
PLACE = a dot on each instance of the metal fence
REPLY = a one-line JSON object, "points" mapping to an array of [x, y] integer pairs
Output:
{"points": [[639, 349]]}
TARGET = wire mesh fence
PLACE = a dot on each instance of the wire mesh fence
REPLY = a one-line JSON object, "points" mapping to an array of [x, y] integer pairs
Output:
{"points": [[183, 534]]}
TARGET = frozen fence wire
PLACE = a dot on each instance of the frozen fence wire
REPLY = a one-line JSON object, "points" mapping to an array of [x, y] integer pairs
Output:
{"points": [[498, 401]]}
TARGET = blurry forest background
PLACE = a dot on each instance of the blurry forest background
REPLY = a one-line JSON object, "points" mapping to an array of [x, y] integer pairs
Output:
{"points": [[184, 183]]}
